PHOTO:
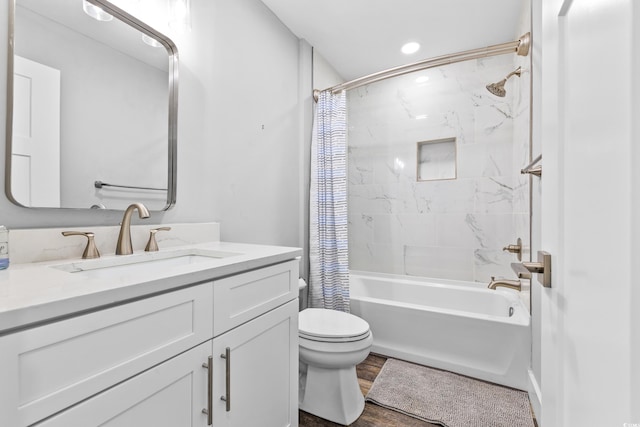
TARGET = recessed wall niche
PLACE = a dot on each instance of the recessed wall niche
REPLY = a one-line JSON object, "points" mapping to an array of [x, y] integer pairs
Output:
{"points": [[437, 160]]}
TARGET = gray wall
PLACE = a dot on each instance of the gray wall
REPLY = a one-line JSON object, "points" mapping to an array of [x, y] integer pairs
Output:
{"points": [[255, 153], [238, 72]]}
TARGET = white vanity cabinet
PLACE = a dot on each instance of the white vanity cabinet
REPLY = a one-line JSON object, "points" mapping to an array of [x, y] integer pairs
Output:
{"points": [[258, 385], [144, 363], [168, 395], [256, 361]]}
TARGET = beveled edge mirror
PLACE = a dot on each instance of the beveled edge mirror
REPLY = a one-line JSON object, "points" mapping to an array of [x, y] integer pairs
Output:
{"points": [[145, 29]]}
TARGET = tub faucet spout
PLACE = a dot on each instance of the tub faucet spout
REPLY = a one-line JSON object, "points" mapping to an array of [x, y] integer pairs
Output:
{"points": [[124, 246], [505, 283]]}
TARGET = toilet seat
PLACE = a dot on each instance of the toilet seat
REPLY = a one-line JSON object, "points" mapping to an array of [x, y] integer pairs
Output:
{"points": [[317, 324], [331, 343]]}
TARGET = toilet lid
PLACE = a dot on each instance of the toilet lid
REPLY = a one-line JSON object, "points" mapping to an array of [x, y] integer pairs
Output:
{"points": [[331, 326]]}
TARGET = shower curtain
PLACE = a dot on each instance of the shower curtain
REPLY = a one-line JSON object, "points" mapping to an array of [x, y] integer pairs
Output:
{"points": [[328, 240]]}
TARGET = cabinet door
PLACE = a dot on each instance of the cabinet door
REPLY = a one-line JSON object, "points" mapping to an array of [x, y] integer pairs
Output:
{"points": [[171, 394], [263, 375], [50, 368]]}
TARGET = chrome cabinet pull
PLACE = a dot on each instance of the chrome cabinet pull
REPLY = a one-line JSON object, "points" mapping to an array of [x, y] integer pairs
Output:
{"points": [[208, 410], [227, 398]]}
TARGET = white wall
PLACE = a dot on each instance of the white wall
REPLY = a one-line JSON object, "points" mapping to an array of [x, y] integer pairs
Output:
{"points": [[635, 225], [452, 229], [533, 63], [238, 72], [254, 150], [324, 75], [588, 131]]}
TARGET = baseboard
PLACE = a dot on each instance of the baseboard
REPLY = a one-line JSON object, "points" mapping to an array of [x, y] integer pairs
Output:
{"points": [[535, 397]]}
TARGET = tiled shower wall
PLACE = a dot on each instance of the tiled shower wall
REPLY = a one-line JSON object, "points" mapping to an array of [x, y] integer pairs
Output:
{"points": [[453, 229]]}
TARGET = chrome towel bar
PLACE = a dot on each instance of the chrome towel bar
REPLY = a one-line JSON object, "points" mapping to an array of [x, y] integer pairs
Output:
{"points": [[100, 184]]}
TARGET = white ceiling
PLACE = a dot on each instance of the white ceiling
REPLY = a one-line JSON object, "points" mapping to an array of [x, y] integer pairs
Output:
{"points": [[360, 37]]}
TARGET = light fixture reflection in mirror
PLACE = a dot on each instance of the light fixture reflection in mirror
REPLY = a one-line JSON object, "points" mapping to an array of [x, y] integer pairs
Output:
{"points": [[151, 41], [95, 12]]}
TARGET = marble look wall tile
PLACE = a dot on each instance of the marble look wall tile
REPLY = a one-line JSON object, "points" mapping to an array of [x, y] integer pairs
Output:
{"points": [[361, 228], [450, 228], [405, 229], [486, 159], [521, 229], [474, 230], [448, 196], [521, 200], [360, 167], [438, 262], [493, 123], [493, 262], [377, 258], [48, 244], [382, 199], [495, 195]]}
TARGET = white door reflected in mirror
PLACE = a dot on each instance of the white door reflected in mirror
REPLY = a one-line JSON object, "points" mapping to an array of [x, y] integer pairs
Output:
{"points": [[35, 152]]}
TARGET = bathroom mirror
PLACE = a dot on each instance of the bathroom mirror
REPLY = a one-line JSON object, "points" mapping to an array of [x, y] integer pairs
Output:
{"points": [[92, 108]]}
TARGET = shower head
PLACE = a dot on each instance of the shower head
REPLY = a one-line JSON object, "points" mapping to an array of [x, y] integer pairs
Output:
{"points": [[498, 88]]}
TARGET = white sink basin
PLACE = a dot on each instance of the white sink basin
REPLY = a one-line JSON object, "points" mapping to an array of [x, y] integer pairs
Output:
{"points": [[152, 263]]}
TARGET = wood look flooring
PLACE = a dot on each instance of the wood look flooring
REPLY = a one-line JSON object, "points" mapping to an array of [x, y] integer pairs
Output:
{"points": [[373, 415]]}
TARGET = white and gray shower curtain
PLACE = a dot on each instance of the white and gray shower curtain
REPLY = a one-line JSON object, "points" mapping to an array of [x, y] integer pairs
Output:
{"points": [[328, 240]]}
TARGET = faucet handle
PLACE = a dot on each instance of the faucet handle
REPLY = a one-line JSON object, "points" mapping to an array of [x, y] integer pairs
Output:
{"points": [[152, 245], [90, 251], [515, 249]]}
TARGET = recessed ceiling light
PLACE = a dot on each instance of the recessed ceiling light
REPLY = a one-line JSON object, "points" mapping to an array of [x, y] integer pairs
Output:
{"points": [[422, 79], [411, 47], [422, 116]]}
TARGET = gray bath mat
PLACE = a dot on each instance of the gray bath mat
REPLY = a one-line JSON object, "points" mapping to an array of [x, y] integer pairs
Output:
{"points": [[448, 399]]}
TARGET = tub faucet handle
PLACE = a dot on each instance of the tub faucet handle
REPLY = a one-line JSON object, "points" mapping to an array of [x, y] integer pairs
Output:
{"points": [[515, 249], [90, 251]]}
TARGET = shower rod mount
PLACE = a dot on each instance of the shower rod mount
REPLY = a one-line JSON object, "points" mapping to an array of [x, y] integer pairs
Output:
{"points": [[533, 168]]}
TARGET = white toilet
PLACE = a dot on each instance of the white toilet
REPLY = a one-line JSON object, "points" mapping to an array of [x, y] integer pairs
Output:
{"points": [[332, 343]]}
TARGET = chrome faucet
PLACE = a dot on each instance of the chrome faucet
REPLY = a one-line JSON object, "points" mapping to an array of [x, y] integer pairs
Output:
{"points": [[124, 246], [505, 283]]}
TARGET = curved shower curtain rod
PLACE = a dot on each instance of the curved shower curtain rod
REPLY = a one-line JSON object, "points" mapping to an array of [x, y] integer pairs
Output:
{"points": [[520, 46]]}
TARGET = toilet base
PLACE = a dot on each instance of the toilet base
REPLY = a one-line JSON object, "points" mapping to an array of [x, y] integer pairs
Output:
{"points": [[333, 394]]}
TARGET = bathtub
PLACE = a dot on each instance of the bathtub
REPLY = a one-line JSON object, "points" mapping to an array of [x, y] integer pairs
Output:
{"points": [[461, 327]]}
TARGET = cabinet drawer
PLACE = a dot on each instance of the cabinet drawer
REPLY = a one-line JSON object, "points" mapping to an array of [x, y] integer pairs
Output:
{"points": [[238, 299], [49, 368], [172, 394]]}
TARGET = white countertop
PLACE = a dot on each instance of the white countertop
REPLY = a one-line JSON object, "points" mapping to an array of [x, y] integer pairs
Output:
{"points": [[34, 293]]}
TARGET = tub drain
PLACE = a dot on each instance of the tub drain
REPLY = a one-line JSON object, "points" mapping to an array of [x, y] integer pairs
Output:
{"points": [[510, 311]]}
